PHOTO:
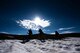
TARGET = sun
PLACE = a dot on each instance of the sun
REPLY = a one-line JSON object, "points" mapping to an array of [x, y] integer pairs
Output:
{"points": [[37, 20]]}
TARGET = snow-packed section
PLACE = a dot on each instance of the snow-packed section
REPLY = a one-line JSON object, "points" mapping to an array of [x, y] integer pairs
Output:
{"points": [[68, 45], [6, 46]]}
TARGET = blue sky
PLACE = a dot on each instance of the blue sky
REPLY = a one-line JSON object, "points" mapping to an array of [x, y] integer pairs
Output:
{"points": [[64, 15]]}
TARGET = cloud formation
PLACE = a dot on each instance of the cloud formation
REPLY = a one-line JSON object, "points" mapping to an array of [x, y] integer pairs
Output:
{"points": [[67, 32], [52, 33], [34, 24], [4, 32], [66, 28]]}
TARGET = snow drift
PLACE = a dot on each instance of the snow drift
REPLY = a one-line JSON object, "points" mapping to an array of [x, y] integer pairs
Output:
{"points": [[68, 45]]}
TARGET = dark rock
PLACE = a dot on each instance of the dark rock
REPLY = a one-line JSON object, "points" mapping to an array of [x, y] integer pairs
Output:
{"points": [[44, 49], [59, 46], [77, 45], [67, 48], [77, 49]]}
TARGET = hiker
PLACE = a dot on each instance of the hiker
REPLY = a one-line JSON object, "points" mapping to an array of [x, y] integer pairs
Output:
{"points": [[26, 39], [56, 33], [40, 31], [41, 36], [29, 32]]}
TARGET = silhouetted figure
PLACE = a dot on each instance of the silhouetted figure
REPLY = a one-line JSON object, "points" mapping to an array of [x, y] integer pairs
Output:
{"points": [[40, 31], [26, 39], [29, 32], [41, 36], [30, 35], [56, 33]]}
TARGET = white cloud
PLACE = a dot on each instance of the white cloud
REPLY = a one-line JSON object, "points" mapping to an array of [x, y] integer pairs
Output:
{"points": [[66, 28], [34, 24], [46, 30], [67, 32], [4, 32], [52, 33]]}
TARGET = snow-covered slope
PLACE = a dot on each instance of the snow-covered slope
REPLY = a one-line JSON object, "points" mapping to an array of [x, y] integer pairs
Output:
{"points": [[68, 45]]}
